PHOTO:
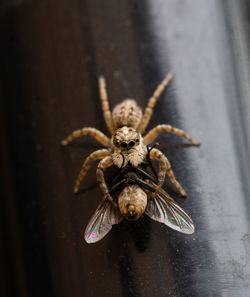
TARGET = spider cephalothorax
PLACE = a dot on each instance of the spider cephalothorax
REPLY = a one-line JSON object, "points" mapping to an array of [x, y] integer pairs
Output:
{"points": [[126, 124], [126, 138], [129, 142]]}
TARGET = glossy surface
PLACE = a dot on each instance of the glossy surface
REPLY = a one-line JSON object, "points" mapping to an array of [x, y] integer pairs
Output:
{"points": [[51, 56]]}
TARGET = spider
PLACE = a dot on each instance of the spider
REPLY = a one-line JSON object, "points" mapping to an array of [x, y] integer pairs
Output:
{"points": [[126, 124]]}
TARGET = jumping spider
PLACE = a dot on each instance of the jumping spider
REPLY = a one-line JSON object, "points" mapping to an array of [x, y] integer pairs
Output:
{"points": [[126, 124]]}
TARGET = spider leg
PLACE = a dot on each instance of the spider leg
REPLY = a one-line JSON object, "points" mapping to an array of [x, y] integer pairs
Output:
{"points": [[105, 104], [97, 155], [103, 164], [165, 167], [98, 135], [152, 101], [153, 133]]}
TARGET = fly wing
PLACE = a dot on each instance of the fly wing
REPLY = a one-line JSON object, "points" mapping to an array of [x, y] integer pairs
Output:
{"points": [[101, 222], [165, 210]]}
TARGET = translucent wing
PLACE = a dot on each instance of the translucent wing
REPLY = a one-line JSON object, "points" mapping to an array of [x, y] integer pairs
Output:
{"points": [[165, 210], [101, 222]]}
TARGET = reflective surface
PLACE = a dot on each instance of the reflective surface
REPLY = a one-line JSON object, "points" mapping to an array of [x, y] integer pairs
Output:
{"points": [[51, 56]]}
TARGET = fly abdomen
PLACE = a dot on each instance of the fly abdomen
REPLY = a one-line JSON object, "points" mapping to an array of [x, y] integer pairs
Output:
{"points": [[132, 202]]}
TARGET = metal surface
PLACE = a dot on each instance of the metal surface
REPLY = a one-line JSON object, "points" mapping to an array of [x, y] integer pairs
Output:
{"points": [[52, 53]]}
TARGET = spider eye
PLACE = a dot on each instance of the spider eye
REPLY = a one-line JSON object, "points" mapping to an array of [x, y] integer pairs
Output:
{"points": [[131, 143], [117, 143], [124, 144], [137, 140]]}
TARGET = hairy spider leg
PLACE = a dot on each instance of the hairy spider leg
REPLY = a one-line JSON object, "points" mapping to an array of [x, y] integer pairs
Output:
{"points": [[97, 155], [105, 104], [165, 167], [154, 133], [102, 165], [152, 101], [98, 135]]}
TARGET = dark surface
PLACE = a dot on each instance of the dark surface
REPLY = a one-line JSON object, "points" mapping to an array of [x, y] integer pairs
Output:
{"points": [[52, 53]]}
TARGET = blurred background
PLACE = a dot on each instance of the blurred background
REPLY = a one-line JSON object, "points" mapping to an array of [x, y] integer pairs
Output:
{"points": [[52, 53]]}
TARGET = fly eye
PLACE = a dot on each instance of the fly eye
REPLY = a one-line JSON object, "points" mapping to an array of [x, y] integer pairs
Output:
{"points": [[124, 144], [131, 143], [137, 140], [117, 143]]}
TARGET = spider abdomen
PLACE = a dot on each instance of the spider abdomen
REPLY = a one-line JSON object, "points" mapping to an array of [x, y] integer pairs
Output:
{"points": [[127, 113]]}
